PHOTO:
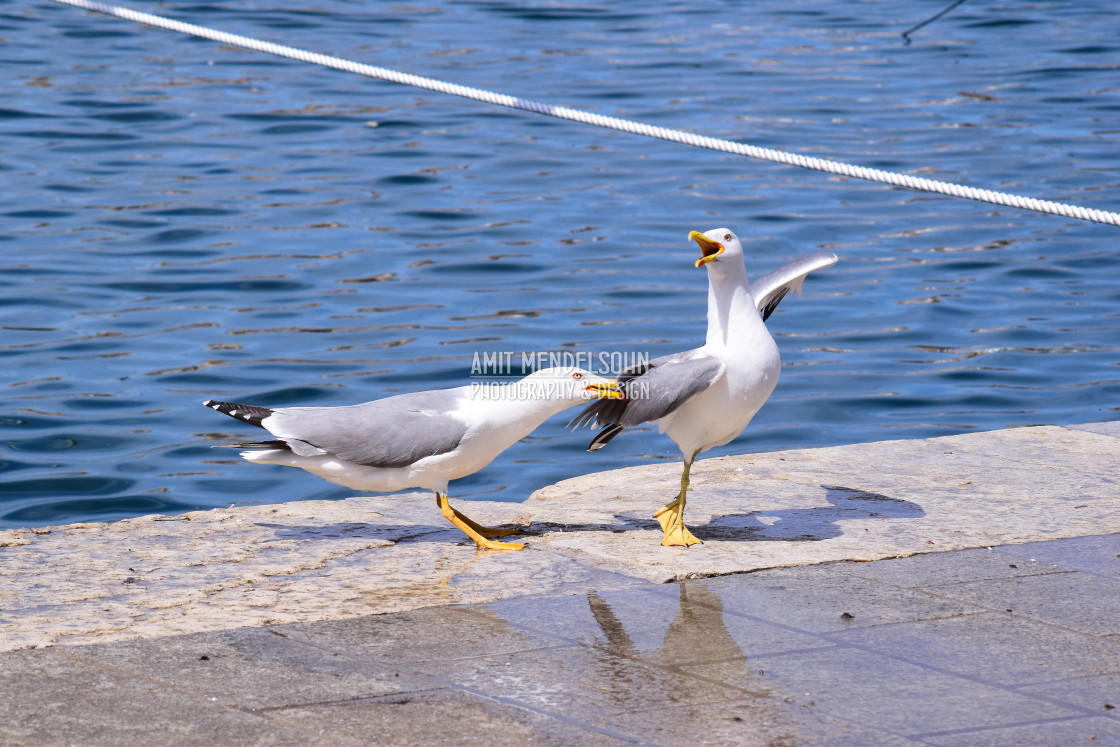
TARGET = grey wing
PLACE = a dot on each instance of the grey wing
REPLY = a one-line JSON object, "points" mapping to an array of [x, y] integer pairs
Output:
{"points": [[605, 411], [664, 385], [391, 432], [769, 290], [664, 388]]}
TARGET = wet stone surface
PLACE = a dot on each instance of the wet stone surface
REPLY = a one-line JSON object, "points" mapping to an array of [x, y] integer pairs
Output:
{"points": [[364, 620], [317, 560], [807, 655]]}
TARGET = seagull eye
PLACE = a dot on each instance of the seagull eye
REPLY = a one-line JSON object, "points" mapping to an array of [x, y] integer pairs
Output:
{"points": [[727, 237], [577, 376]]}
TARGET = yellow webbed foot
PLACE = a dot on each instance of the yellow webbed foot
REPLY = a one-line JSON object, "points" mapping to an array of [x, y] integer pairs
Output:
{"points": [[488, 544], [492, 532], [668, 515], [487, 532], [482, 536], [671, 515], [679, 536]]}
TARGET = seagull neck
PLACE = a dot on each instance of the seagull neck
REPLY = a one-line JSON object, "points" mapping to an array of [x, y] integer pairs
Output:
{"points": [[730, 305], [524, 403]]}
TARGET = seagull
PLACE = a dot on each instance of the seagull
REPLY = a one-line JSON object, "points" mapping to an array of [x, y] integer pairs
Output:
{"points": [[704, 398], [417, 440]]}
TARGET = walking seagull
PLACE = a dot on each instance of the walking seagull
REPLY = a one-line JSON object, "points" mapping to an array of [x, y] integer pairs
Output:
{"points": [[704, 398], [417, 440]]}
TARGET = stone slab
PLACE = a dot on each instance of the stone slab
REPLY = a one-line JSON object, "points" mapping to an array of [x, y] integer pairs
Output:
{"points": [[1085, 730], [747, 659], [1098, 554], [161, 716], [823, 602], [416, 636], [936, 568], [988, 646], [581, 683], [321, 560], [1057, 597], [685, 625], [884, 692], [1110, 428], [859, 502], [252, 668], [1098, 694], [751, 722], [255, 566], [438, 717]]}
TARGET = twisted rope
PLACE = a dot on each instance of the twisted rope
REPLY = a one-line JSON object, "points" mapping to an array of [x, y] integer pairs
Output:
{"points": [[612, 123]]}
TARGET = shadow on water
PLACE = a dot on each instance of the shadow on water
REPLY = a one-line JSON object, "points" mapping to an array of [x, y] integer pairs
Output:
{"points": [[782, 525]]}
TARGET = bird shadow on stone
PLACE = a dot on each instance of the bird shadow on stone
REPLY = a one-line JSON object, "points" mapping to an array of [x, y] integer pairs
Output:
{"points": [[810, 524], [782, 525], [351, 530], [444, 534]]}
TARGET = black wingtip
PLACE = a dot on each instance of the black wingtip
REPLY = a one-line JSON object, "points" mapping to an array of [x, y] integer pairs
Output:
{"points": [[600, 412], [772, 302], [246, 413], [255, 445], [603, 437]]}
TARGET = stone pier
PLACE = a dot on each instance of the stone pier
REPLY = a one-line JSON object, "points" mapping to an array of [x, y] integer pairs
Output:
{"points": [[956, 590]]}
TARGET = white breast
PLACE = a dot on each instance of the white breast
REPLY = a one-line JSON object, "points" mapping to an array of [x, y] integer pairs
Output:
{"points": [[719, 414]]}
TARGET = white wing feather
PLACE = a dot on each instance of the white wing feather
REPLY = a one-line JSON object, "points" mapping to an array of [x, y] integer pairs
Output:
{"points": [[769, 290]]}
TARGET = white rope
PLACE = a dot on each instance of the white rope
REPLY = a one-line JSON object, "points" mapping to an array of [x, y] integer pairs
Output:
{"points": [[613, 123]]}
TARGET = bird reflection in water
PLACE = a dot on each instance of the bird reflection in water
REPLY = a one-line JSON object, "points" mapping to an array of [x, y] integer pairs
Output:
{"points": [[697, 634]]}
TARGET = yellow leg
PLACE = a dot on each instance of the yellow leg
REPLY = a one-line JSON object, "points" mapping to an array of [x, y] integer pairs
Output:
{"points": [[473, 530], [487, 532], [671, 516]]}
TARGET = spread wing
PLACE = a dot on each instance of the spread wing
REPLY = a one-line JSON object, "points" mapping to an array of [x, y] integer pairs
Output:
{"points": [[391, 432], [769, 290], [653, 390]]}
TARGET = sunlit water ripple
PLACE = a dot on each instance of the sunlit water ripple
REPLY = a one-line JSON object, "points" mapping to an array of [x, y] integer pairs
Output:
{"points": [[184, 220]]}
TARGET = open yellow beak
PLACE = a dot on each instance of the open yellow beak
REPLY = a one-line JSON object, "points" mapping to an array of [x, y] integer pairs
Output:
{"points": [[709, 249], [606, 389]]}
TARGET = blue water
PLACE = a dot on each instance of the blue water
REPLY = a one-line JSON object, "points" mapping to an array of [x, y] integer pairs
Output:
{"points": [[183, 220]]}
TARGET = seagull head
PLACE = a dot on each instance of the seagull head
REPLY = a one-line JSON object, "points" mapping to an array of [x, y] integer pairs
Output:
{"points": [[570, 384], [717, 245]]}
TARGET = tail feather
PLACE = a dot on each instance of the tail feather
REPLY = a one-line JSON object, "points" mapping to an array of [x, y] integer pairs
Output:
{"points": [[250, 414]]}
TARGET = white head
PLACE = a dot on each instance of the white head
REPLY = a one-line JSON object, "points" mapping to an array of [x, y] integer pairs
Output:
{"points": [[567, 384], [717, 246], [520, 407]]}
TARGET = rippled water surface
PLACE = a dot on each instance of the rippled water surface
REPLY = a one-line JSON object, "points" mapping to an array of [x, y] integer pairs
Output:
{"points": [[184, 220]]}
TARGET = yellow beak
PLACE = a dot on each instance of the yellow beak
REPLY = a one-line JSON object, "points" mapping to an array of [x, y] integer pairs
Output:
{"points": [[709, 249], [607, 389]]}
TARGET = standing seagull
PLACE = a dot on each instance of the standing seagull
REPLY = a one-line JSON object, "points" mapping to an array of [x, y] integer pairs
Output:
{"points": [[417, 440], [705, 397]]}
